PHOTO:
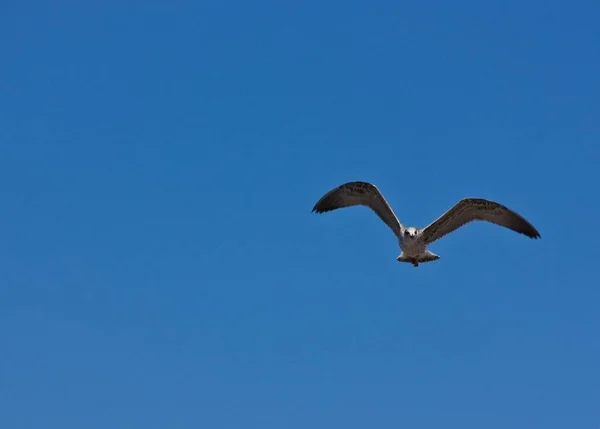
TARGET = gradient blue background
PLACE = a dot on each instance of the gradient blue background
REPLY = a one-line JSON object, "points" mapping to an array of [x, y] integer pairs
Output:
{"points": [[160, 267]]}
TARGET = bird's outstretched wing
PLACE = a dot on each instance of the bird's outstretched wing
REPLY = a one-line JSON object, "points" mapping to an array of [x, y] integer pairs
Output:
{"points": [[470, 209], [359, 193]]}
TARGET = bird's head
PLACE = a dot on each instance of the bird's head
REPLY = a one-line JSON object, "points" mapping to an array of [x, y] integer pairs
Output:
{"points": [[410, 232]]}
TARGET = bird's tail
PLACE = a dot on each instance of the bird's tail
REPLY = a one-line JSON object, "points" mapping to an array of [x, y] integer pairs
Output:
{"points": [[426, 256]]}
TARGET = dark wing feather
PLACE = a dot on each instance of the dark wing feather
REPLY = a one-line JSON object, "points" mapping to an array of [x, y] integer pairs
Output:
{"points": [[470, 209], [359, 193]]}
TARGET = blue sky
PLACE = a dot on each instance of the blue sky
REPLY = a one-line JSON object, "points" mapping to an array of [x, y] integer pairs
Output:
{"points": [[160, 263]]}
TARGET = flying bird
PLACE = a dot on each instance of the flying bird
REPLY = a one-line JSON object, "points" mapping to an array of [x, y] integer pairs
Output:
{"points": [[414, 241]]}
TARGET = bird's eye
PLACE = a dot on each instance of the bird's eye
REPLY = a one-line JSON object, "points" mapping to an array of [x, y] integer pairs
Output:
{"points": [[405, 232]]}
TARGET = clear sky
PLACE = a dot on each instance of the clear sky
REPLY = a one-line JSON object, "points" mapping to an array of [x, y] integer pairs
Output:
{"points": [[160, 264]]}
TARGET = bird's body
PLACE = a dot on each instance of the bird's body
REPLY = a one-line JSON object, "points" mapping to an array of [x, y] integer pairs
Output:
{"points": [[413, 241], [413, 250]]}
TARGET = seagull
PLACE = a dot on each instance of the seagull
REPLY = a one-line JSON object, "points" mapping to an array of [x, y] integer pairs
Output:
{"points": [[414, 241]]}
